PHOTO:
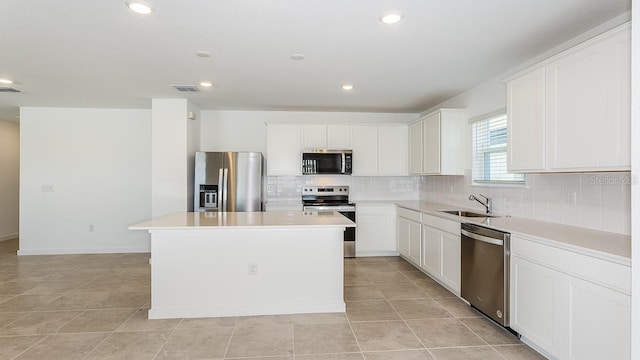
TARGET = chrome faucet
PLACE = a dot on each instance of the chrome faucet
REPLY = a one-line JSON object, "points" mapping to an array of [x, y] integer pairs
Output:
{"points": [[486, 203]]}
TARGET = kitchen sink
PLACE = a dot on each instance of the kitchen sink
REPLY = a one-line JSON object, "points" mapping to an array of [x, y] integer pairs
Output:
{"points": [[465, 213]]}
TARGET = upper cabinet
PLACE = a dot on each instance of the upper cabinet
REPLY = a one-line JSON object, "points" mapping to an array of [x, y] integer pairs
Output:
{"points": [[378, 150], [336, 137], [437, 144], [283, 150], [572, 111]]}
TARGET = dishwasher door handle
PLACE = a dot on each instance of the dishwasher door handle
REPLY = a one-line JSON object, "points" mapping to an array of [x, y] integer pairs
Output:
{"points": [[482, 238]]}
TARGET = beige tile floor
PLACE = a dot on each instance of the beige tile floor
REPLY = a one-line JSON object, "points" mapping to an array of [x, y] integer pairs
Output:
{"points": [[95, 307]]}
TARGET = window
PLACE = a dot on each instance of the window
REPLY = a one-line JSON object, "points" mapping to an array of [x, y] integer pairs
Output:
{"points": [[490, 152]]}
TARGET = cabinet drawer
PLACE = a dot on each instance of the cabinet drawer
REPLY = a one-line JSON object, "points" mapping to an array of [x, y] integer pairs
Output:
{"points": [[452, 227], [409, 214], [608, 274]]}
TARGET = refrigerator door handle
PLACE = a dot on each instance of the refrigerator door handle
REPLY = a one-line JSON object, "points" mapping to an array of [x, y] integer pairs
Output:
{"points": [[221, 198], [225, 188]]}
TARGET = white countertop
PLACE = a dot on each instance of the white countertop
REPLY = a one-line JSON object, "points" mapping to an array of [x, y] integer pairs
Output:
{"points": [[605, 245], [217, 220]]}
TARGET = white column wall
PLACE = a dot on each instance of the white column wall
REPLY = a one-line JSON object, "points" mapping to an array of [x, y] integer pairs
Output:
{"points": [[84, 178], [9, 179], [169, 161], [635, 185]]}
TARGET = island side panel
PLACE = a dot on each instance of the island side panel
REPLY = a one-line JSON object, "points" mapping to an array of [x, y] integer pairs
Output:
{"points": [[208, 273]]}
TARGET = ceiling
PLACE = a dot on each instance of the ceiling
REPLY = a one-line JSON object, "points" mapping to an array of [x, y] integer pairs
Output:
{"points": [[97, 53]]}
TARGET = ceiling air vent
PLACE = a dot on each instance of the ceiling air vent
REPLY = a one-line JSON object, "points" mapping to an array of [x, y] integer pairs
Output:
{"points": [[186, 88], [8, 89]]}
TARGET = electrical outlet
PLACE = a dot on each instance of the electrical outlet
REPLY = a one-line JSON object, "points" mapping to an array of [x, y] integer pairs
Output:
{"points": [[253, 269], [91, 229], [47, 188], [572, 198]]}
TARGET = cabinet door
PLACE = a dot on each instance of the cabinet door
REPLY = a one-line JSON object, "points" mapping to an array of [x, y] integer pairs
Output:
{"points": [[577, 109], [451, 261], [339, 137], [526, 122], [536, 304], [431, 144], [431, 248], [415, 234], [599, 322], [365, 150], [376, 229], [284, 150], [392, 150], [415, 148], [403, 227], [314, 136]]}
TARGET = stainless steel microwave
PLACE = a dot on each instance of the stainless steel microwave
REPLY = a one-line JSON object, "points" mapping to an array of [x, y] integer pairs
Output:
{"points": [[326, 162]]}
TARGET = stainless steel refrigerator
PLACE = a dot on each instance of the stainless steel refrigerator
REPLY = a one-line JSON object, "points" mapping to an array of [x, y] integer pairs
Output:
{"points": [[228, 181]]}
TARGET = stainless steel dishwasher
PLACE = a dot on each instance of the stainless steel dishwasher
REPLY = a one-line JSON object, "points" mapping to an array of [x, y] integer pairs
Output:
{"points": [[484, 278]]}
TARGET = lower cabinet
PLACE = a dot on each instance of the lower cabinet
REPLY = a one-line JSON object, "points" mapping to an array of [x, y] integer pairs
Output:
{"points": [[441, 251], [376, 229], [569, 305], [408, 229]]}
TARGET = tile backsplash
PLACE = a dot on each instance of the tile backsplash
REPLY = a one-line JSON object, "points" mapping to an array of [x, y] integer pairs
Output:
{"points": [[287, 188], [599, 201]]}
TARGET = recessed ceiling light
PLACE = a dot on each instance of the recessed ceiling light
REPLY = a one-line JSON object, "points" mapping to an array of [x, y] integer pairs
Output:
{"points": [[347, 87], [6, 81], [204, 54], [140, 7], [297, 57], [206, 84], [391, 18]]}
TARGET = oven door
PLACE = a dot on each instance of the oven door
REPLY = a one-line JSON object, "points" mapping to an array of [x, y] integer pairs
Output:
{"points": [[349, 212]]}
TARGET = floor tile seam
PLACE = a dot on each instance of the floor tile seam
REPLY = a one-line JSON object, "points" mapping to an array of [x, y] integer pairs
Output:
{"points": [[68, 322], [32, 345], [86, 356], [233, 332], [355, 337], [498, 352], [475, 333], [414, 334], [13, 322], [166, 341]]}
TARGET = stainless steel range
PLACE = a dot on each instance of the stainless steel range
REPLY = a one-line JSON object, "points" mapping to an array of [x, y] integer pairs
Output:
{"points": [[333, 198]]}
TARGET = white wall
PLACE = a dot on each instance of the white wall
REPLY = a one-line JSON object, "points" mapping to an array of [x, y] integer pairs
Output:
{"points": [[81, 168], [602, 199], [246, 130], [169, 158], [9, 179]]}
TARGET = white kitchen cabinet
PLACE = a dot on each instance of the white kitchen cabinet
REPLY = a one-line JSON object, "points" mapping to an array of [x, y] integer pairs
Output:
{"points": [[569, 305], [441, 251], [339, 137], [364, 140], [314, 136], [320, 136], [409, 231], [415, 148], [284, 144], [431, 250], [392, 150], [442, 147], [572, 111], [376, 230], [536, 295], [526, 122]]}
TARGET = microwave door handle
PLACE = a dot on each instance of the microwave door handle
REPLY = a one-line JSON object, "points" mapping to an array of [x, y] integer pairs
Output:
{"points": [[220, 190], [344, 161]]}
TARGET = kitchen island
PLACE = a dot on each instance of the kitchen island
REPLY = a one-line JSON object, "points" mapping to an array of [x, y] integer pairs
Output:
{"points": [[214, 264]]}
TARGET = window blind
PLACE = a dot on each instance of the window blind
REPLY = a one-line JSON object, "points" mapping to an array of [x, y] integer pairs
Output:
{"points": [[490, 152]]}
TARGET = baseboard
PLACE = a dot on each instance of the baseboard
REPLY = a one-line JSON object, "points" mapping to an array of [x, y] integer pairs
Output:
{"points": [[9, 237], [376, 253], [87, 251], [246, 310]]}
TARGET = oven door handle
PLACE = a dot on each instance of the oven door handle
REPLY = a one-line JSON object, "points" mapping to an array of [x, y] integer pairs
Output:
{"points": [[328, 208], [482, 238]]}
